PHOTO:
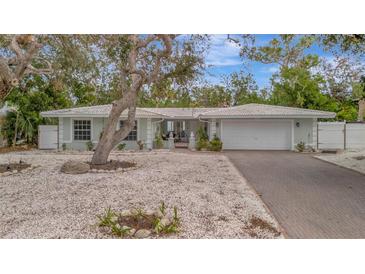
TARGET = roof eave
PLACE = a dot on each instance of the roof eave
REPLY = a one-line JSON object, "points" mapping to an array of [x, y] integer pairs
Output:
{"points": [[269, 116], [70, 115]]}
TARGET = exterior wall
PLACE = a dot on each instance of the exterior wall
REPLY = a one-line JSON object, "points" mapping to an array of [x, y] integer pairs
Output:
{"points": [[97, 125], [305, 132]]}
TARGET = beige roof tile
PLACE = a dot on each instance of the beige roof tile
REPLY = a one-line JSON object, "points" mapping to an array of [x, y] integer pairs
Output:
{"points": [[243, 111]]}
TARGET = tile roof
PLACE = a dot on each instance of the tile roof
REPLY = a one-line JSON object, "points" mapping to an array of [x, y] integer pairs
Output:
{"points": [[261, 110], [243, 111]]}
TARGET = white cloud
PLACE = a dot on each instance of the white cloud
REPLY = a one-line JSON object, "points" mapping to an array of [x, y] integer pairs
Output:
{"points": [[270, 69], [223, 52]]}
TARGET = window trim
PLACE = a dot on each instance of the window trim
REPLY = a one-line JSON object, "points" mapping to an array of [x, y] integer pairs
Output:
{"points": [[91, 130], [137, 135]]}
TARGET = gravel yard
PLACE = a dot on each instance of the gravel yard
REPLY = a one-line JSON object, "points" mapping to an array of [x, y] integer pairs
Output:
{"points": [[353, 159], [212, 198]]}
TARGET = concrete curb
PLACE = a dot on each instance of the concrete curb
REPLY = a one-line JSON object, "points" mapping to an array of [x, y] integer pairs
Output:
{"points": [[335, 164]]}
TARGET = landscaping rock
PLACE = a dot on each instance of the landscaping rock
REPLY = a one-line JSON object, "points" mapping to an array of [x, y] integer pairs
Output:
{"points": [[132, 232], [7, 173], [165, 221], [142, 233], [125, 213], [75, 167]]}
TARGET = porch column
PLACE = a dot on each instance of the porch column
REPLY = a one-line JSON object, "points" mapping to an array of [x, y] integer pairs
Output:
{"points": [[213, 129], [60, 132], [149, 134], [314, 133]]}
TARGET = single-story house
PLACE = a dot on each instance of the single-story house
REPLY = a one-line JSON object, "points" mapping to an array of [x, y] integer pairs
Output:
{"points": [[250, 126]]}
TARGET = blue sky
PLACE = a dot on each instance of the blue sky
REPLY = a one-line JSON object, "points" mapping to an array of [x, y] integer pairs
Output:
{"points": [[223, 58]]}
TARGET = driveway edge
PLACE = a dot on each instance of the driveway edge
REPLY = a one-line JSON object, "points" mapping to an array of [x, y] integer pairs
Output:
{"points": [[281, 229]]}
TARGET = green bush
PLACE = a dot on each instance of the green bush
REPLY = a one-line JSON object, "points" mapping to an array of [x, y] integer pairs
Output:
{"points": [[158, 141], [64, 146], [215, 144], [201, 144], [121, 146], [202, 140], [300, 146], [89, 145]]}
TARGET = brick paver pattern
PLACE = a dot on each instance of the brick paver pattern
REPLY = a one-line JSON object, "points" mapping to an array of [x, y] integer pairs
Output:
{"points": [[309, 198]]}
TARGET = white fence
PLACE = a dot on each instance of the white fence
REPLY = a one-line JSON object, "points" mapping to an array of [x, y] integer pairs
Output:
{"points": [[47, 137], [341, 135]]}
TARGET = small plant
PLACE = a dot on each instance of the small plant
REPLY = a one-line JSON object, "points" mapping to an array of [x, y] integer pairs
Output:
{"points": [[129, 222], [89, 145], [108, 219], [162, 208], [121, 146], [64, 147], [140, 144], [300, 146], [215, 144], [158, 141]]}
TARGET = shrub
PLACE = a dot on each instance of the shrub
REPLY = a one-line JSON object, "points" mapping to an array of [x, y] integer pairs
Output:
{"points": [[300, 146], [89, 145], [64, 147], [201, 139], [200, 144], [140, 144], [215, 144], [121, 146], [126, 223], [158, 141]]}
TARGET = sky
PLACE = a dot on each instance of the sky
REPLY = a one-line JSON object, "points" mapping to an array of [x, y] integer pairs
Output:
{"points": [[223, 58]]}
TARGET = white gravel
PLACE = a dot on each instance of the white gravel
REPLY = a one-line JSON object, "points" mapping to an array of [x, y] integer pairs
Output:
{"points": [[213, 199], [346, 159]]}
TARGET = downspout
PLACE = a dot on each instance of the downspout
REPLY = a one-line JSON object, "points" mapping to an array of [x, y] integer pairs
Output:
{"points": [[159, 121]]}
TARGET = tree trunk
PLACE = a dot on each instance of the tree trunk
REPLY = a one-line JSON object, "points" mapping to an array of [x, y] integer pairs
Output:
{"points": [[361, 112], [111, 137]]}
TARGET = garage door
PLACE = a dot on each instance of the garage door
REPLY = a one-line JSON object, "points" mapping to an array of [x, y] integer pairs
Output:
{"points": [[256, 134], [48, 137]]}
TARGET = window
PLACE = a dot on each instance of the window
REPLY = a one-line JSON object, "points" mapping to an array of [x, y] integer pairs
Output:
{"points": [[132, 136], [82, 130], [170, 126]]}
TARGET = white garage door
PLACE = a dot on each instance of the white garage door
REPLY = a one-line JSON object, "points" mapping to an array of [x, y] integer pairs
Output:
{"points": [[256, 134], [47, 137]]}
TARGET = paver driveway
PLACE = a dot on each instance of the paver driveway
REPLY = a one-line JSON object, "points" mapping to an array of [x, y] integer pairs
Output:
{"points": [[310, 198]]}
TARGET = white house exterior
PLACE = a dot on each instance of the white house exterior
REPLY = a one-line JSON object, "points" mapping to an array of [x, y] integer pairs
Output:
{"points": [[250, 126]]}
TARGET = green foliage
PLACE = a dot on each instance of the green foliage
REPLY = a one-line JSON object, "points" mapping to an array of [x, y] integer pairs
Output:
{"points": [[300, 146], [89, 145], [108, 218], [121, 146], [38, 94], [211, 96], [243, 89], [162, 208], [64, 147], [215, 144], [202, 141], [161, 227], [158, 141]]}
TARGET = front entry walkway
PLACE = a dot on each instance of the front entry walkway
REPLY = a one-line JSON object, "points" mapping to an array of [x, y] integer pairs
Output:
{"points": [[308, 197]]}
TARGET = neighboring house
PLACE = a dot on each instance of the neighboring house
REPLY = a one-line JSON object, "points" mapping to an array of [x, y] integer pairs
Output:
{"points": [[250, 126]]}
